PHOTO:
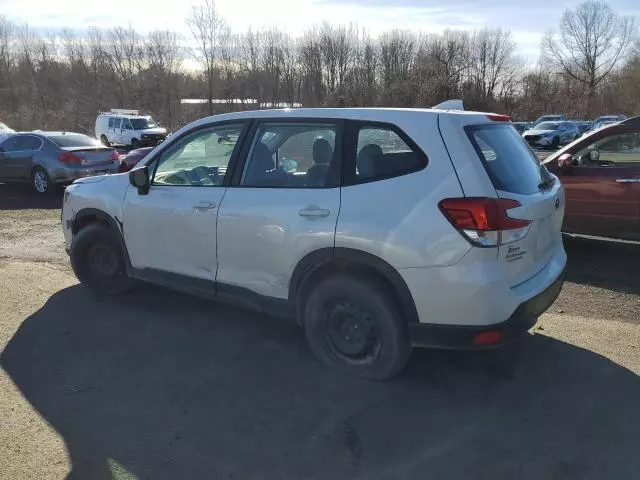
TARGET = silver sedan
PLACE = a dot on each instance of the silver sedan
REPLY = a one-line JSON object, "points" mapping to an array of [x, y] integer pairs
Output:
{"points": [[45, 159]]}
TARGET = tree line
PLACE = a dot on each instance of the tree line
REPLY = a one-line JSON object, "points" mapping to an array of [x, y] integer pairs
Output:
{"points": [[589, 66]]}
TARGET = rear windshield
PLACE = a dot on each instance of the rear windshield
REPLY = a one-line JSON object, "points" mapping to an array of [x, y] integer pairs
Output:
{"points": [[73, 140], [509, 161]]}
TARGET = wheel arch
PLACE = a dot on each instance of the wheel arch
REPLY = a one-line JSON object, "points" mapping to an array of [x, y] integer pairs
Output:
{"points": [[319, 264], [88, 216]]}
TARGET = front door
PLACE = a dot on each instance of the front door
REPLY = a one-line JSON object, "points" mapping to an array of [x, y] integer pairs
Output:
{"points": [[603, 187], [283, 204], [171, 230]]}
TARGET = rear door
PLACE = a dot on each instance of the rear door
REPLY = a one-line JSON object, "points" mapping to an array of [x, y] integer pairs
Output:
{"points": [[283, 204], [603, 187], [116, 132], [17, 159]]}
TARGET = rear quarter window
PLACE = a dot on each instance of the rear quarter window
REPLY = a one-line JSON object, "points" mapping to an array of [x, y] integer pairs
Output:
{"points": [[510, 163]]}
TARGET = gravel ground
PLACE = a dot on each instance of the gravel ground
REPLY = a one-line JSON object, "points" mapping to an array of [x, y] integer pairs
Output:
{"points": [[158, 384]]}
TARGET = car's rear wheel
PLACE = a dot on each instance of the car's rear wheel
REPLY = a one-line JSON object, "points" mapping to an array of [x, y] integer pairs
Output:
{"points": [[352, 324], [104, 140], [40, 181], [98, 259]]}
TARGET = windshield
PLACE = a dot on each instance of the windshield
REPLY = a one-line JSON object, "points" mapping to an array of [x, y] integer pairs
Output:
{"points": [[547, 126], [509, 161], [143, 123], [73, 140]]}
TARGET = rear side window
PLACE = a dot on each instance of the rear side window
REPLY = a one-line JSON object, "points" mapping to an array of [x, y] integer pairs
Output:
{"points": [[383, 152], [508, 160], [111, 122], [74, 140]]}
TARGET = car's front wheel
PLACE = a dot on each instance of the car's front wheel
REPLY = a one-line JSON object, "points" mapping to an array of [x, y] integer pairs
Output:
{"points": [[98, 260], [40, 180], [352, 324], [555, 143], [135, 144]]}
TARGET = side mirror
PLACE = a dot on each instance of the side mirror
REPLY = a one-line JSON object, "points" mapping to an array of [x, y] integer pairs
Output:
{"points": [[139, 178], [564, 162], [594, 155]]}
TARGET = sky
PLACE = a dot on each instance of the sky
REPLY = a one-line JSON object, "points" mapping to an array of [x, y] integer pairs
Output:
{"points": [[527, 19]]}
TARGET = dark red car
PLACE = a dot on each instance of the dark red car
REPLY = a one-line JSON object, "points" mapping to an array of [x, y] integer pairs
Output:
{"points": [[132, 158], [601, 176]]}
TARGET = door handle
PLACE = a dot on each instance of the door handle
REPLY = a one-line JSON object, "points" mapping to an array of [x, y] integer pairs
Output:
{"points": [[627, 180], [314, 212], [204, 206]]}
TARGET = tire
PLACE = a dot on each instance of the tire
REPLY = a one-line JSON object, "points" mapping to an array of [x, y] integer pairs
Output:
{"points": [[135, 144], [98, 260], [40, 181], [104, 140], [555, 143], [353, 325]]}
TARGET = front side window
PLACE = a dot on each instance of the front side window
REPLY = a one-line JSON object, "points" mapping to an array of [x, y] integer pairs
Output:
{"points": [[290, 155], [126, 124], [620, 149], [381, 153], [200, 159], [143, 123]]}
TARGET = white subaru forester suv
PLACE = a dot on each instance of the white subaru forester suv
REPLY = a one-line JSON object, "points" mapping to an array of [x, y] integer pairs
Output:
{"points": [[375, 229]]}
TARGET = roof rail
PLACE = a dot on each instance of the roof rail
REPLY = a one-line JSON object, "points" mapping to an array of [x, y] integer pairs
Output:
{"points": [[450, 105]]}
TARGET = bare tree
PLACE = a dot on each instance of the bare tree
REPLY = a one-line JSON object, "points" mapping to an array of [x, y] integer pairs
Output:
{"points": [[207, 27], [592, 40]]}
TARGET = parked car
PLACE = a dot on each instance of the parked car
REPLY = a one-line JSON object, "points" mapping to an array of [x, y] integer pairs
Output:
{"points": [[45, 159], [388, 228], [552, 134], [611, 118], [549, 118], [601, 176], [602, 122], [583, 126], [129, 128], [132, 158], [520, 127]]}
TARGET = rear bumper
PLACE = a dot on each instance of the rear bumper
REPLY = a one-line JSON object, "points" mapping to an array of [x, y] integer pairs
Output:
{"points": [[464, 337], [68, 175]]}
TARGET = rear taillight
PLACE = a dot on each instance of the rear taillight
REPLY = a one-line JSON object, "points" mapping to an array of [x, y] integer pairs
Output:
{"points": [[484, 221], [68, 157], [115, 155]]}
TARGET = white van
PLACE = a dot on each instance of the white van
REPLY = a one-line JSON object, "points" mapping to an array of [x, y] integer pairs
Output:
{"points": [[128, 127]]}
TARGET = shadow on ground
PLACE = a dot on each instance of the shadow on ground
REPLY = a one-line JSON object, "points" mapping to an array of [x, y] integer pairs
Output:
{"points": [[171, 386], [603, 263], [19, 197]]}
